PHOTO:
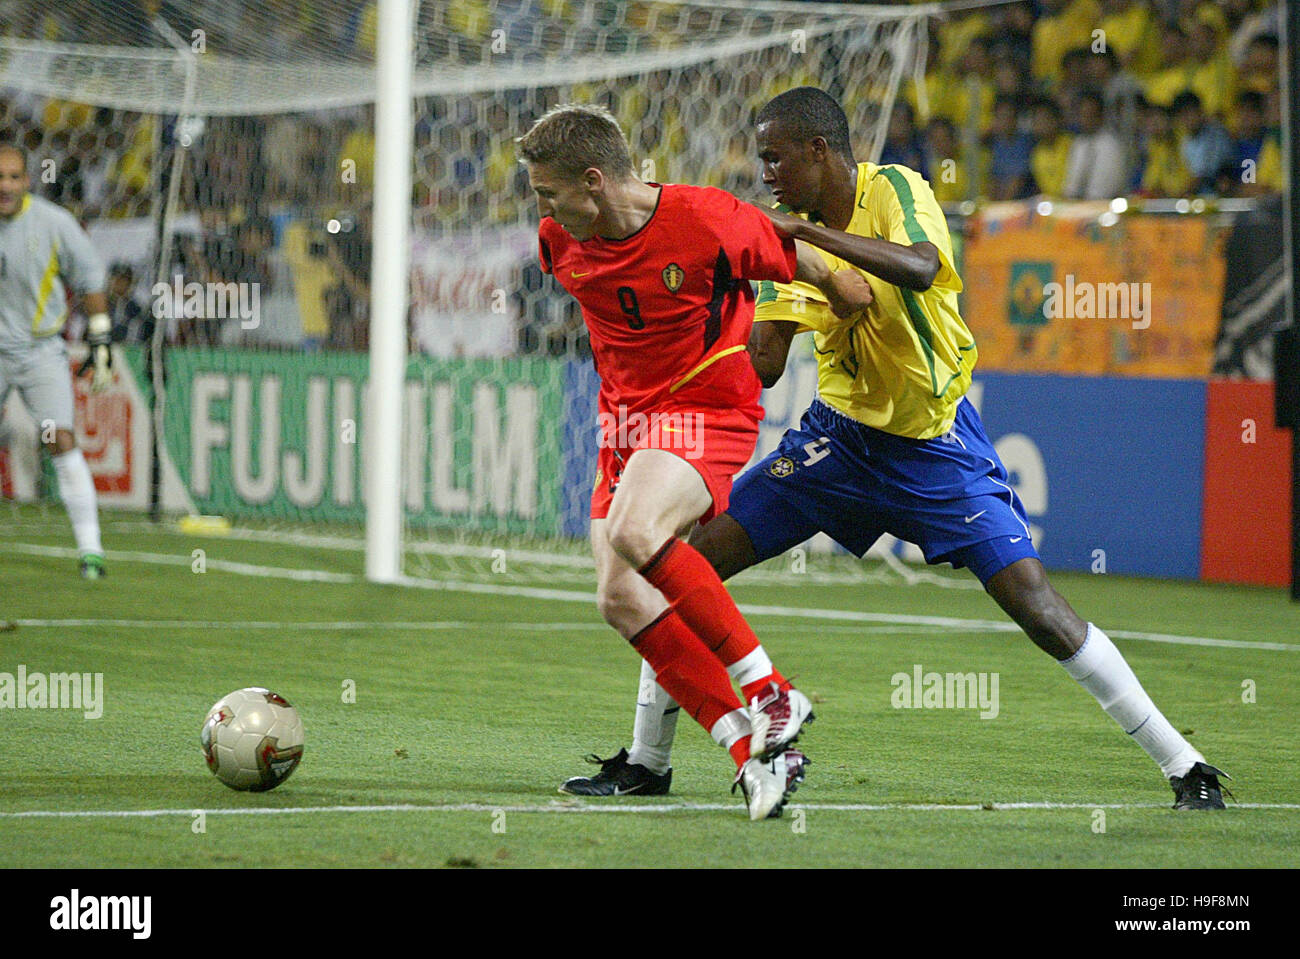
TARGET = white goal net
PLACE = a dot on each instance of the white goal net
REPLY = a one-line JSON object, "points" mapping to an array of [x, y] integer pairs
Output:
{"points": [[231, 145]]}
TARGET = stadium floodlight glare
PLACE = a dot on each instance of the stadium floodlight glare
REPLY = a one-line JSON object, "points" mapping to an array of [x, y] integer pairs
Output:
{"points": [[1118, 205]]}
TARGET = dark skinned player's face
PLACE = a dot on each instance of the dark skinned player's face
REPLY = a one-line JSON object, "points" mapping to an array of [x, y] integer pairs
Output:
{"points": [[793, 170]]}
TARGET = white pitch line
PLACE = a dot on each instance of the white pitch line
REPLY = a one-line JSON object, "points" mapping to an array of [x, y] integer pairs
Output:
{"points": [[588, 598], [164, 559], [282, 624], [565, 808], [410, 626]]}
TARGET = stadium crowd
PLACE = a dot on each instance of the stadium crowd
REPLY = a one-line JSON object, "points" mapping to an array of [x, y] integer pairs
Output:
{"points": [[1093, 99]]}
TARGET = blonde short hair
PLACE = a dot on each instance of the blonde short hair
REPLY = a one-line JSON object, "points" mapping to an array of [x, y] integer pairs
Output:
{"points": [[574, 137]]}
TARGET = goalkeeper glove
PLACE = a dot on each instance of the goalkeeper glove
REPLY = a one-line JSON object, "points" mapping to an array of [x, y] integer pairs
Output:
{"points": [[99, 334]]}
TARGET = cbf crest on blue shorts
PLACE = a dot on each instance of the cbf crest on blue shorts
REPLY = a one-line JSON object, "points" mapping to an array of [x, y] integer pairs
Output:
{"points": [[949, 495]]}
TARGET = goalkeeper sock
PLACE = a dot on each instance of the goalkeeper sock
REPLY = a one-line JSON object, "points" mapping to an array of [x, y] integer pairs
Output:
{"points": [[690, 583], [655, 725], [689, 673], [77, 490], [1101, 670]]}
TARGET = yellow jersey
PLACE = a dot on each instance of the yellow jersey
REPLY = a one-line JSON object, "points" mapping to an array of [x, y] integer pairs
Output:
{"points": [[904, 363], [1049, 162]]}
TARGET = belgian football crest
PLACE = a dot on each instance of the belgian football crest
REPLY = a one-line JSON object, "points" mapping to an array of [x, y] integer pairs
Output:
{"points": [[673, 276]]}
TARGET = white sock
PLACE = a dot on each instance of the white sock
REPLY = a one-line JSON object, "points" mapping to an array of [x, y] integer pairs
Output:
{"points": [[730, 728], [77, 490], [655, 725], [751, 668], [1101, 670]]}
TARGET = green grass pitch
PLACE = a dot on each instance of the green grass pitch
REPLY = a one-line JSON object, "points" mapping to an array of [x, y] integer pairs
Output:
{"points": [[473, 703]]}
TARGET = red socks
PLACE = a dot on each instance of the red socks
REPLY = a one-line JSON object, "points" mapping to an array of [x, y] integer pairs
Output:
{"points": [[689, 673], [700, 634], [759, 687], [695, 591]]}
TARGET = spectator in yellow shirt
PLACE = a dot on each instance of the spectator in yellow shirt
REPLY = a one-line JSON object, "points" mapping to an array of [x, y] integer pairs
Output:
{"points": [[358, 150], [1268, 176], [970, 102], [956, 34], [1160, 169], [1130, 28], [1051, 155], [1066, 24], [950, 178], [1213, 78], [1259, 69], [1176, 68], [938, 84]]}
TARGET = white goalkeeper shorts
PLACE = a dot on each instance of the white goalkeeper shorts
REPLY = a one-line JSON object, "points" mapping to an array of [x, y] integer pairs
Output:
{"points": [[41, 375]]}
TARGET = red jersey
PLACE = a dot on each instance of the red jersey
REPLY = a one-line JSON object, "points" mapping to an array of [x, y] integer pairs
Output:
{"points": [[670, 308]]}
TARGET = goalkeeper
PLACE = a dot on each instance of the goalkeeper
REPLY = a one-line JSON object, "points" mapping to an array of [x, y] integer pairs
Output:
{"points": [[890, 445], [42, 247]]}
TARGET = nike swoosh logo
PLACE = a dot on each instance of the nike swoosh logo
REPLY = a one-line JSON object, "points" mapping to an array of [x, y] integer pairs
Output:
{"points": [[1016, 539], [971, 519], [624, 792], [576, 273]]}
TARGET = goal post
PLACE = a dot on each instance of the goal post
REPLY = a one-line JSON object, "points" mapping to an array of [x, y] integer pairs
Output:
{"points": [[389, 282]]}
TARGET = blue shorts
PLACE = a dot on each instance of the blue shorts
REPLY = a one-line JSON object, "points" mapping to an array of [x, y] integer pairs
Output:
{"points": [[949, 495]]}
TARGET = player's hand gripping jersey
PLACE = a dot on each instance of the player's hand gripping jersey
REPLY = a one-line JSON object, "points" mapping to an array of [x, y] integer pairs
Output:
{"points": [[902, 366], [669, 308]]}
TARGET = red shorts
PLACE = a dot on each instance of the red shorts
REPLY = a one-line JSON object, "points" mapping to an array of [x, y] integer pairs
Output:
{"points": [[717, 443]]}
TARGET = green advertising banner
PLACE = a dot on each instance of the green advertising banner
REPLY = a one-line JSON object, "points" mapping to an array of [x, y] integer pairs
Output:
{"points": [[282, 434]]}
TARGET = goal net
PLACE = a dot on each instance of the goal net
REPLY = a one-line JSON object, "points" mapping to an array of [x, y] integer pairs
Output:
{"points": [[222, 155]]}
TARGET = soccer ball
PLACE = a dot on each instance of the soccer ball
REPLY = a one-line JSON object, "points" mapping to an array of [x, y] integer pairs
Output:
{"points": [[252, 739]]}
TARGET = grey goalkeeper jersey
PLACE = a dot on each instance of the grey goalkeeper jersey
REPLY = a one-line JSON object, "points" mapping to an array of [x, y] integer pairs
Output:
{"points": [[42, 248]]}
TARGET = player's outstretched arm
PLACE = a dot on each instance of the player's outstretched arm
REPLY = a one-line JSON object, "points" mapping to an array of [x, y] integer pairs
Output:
{"points": [[913, 267], [847, 292]]}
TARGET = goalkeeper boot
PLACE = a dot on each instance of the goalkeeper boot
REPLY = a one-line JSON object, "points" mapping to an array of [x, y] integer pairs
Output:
{"points": [[1199, 788], [92, 566], [768, 784], [618, 777], [776, 718]]}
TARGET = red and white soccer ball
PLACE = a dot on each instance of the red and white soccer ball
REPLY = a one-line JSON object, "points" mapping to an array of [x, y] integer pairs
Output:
{"points": [[252, 739]]}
